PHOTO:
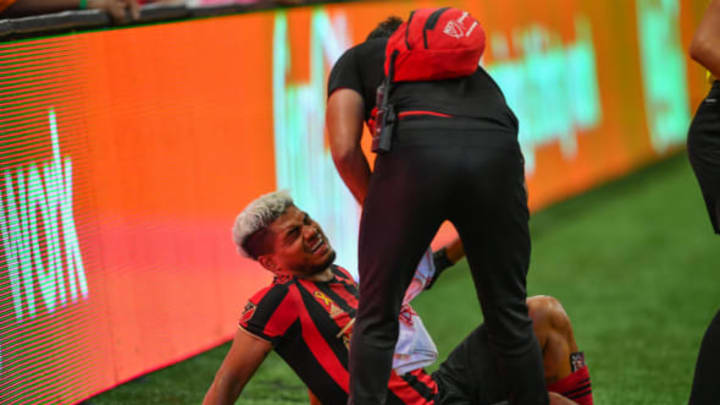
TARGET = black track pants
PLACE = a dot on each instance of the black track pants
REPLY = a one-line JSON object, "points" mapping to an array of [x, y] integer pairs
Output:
{"points": [[703, 146], [438, 170], [704, 153], [706, 384]]}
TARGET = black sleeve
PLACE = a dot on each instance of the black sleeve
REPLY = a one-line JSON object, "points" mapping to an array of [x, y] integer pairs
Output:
{"points": [[346, 73]]}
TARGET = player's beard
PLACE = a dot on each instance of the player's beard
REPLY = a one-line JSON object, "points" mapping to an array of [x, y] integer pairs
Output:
{"points": [[322, 267]]}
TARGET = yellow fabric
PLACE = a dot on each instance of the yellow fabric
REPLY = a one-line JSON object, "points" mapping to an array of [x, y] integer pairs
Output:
{"points": [[5, 4]]}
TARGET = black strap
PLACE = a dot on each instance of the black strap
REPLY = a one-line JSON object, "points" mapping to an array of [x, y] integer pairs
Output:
{"points": [[432, 22], [391, 70], [407, 29]]}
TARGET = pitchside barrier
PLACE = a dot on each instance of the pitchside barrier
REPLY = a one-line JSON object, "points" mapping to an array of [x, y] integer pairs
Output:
{"points": [[126, 154]]}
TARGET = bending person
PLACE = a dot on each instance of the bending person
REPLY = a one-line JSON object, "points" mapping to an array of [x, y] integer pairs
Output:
{"points": [[449, 135]]}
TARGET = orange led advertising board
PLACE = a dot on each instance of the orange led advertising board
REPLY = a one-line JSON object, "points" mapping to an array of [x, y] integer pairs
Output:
{"points": [[126, 154]]}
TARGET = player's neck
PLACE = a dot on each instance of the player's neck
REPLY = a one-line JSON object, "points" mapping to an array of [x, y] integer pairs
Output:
{"points": [[322, 276]]}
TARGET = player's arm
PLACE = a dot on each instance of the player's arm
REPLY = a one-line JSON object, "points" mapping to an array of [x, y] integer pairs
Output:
{"points": [[455, 251], [245, 356], [344, 121], [705, 45]]}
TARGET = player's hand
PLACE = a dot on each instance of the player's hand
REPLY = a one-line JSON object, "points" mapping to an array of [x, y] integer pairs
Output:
{"points": [[117, 9], [441, 262], [446, 257]]}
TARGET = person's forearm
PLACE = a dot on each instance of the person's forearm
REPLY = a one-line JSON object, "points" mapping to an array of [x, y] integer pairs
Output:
{"points": [[210, 396], [222, 393], [705, 45], [355, 172], [455, 251]]}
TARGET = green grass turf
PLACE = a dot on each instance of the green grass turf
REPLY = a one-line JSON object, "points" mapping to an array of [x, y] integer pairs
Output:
{"points": [[632, 262]]}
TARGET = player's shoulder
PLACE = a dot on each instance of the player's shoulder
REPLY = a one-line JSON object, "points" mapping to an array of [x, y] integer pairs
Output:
{"points": [[362, 52], [372, 46], [270, 311], [277, 291]]}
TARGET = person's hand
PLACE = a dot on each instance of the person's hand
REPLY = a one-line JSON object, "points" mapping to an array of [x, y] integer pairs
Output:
{"points": [[117, 8]]}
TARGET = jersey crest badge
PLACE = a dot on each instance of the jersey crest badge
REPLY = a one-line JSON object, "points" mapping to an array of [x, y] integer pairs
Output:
{"points": [[248, 312]]}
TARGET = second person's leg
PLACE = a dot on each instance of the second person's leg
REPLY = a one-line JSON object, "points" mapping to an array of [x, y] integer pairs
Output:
{"points": [[401, 214], [492, 218]]}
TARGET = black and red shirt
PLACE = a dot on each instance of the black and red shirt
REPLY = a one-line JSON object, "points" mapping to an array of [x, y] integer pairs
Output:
{"points": [[309, 324]]}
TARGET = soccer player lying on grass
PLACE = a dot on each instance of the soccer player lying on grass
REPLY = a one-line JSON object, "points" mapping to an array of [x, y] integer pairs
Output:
{"points": [[306, 316]]}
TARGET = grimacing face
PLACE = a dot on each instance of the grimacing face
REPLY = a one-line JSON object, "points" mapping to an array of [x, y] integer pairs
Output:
{"points": [[300, 248]]}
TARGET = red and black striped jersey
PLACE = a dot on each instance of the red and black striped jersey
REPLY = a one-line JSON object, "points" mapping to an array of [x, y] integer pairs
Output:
{"points": [[310, 324]]}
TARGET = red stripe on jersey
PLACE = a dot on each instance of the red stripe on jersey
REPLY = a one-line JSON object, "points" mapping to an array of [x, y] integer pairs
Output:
{"points": [[409, 395], [575, 386], [284, 315], [322, 351], [426, 379], [350, 298], [342, 290], [258, 296]]}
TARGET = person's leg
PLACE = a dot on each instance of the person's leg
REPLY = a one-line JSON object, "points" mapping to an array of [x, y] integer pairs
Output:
{"points": [[401, 213], [553, 330], [491, 216], [469, 374], [557, 399], [703, 145], [706, 383], [566, 373]]}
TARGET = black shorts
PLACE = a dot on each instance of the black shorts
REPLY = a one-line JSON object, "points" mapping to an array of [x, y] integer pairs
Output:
{"points": [[703, 145], [469, 375]]}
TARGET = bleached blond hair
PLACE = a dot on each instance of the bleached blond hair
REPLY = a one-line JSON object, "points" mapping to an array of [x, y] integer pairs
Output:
{"points": [[257, 216]]}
